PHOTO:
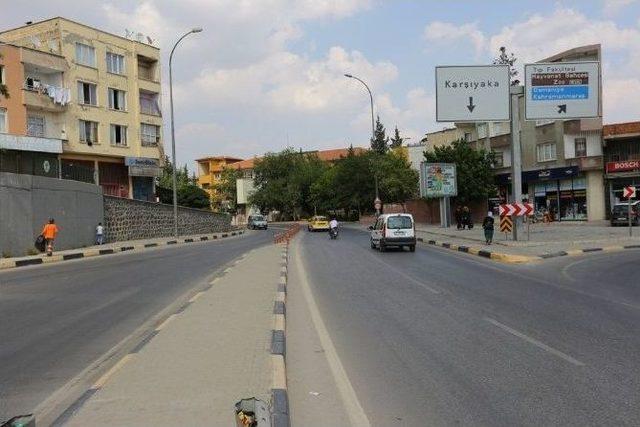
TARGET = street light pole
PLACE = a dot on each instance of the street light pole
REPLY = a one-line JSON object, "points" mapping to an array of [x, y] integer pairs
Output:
{"points": [[173, 134], [373, 132]]}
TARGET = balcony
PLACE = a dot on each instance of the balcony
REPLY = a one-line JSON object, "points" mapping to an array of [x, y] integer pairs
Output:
{"points": [[150, 103], [52, 98]]}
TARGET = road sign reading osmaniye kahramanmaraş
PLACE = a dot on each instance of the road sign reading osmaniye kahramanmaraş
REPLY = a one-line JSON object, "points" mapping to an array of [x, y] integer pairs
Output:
{"points": [[472, 93], [562, 90]]}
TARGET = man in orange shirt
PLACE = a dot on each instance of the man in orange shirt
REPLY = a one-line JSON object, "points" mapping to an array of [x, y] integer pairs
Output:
{"points": [[49, 233]]}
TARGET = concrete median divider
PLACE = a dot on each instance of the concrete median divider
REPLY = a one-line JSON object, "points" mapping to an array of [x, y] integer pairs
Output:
{"points": [[279, 397]]}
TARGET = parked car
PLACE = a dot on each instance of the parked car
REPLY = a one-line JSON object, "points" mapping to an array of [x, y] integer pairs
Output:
{"points": [[257, 222], [318, 222], [620, 214], [393, 230]]}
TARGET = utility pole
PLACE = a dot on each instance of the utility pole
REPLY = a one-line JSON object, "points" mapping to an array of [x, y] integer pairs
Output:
{"points": [[516, 153]]}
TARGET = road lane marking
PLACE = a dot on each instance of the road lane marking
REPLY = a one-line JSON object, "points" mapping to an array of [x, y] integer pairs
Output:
{"points": [[535, 342], [103, 379], [352, 405], [166, 322]]}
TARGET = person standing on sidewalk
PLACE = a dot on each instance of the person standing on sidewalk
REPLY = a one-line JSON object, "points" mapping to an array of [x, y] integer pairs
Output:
{"points": [[49, 232], [99, 234], [466, 218], [487, 225], [458, 217]]}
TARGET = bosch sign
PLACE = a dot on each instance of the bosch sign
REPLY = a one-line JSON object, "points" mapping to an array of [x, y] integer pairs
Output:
{"points": [[625, 166]]}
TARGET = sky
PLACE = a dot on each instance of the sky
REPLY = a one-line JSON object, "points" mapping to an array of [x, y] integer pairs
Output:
{"points": [[268, 74]]}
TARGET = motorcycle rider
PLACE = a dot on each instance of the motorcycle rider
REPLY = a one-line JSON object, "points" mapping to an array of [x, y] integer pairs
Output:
{"points": [[333, 226]]}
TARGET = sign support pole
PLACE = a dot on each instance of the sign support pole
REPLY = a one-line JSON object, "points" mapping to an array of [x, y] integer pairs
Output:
{"points": [[629, 213], [516, 155]]}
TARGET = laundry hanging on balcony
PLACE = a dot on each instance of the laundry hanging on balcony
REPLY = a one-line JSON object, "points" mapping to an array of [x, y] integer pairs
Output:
{"points": [[59, 95]]}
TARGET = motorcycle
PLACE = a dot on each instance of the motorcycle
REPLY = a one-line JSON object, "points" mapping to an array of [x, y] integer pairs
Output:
{"points": [[333, 233]]}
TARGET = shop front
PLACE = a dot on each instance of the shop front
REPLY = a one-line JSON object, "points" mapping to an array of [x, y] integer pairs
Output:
{"points": [[143, 171], [619, 175], [559, 192]]}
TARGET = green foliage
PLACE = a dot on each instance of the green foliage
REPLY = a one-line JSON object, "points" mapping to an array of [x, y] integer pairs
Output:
{"points": [[397, 140], [397, 181], [189, 194], [474, 169], [283, 182], [226, 188], [508, 59], [193, 196], [380, 142]]}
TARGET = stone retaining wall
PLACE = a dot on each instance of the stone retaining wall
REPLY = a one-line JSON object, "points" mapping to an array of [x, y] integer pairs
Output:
{"points": [[126, 219]]}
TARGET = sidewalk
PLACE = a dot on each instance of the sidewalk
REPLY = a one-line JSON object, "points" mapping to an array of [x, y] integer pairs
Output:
{"points": [[201, 360], [111, 248], [544, 240]]}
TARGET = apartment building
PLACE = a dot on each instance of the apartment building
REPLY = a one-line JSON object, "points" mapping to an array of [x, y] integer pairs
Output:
{"points": [[562, 160], [106, 104], [209, 173], [24, 146]]}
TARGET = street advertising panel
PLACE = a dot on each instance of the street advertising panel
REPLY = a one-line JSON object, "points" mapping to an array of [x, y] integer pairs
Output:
{"points": [[438, 180]]}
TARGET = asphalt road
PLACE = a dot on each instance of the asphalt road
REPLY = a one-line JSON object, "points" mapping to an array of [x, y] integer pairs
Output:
{"points": [[57, 319], [440, 338]]}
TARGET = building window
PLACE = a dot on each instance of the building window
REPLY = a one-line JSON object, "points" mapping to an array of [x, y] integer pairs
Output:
{"points": [[119, 135], [115, 63], [117, 99], [87, 94], [467, 136], [35, 126], [149, 134], [546, 152], [581, 147], [149, 103], [147, 68], [85, 55], [1, 74], [498, 159], [3, 120], [88, 132]]}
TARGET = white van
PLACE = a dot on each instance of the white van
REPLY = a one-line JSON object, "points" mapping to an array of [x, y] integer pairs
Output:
{"points": [[393, 230]]}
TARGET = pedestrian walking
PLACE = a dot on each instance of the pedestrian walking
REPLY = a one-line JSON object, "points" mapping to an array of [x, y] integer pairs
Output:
{"points": [[487, 225], [99, 234], [49, 232], [466, 218], [458, 216]]}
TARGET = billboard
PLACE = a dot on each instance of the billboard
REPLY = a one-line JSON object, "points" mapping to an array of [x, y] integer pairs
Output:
{"points": [[438, 180]]}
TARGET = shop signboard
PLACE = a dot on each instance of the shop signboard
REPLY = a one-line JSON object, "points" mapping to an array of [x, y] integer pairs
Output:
{"points": [[438, 180], [143, 166], [562, 90], [624, 166]]}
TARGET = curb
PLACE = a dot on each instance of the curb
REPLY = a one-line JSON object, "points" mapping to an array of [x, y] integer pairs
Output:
{"points": [[522, 259], [279, 396], [86, 253]]}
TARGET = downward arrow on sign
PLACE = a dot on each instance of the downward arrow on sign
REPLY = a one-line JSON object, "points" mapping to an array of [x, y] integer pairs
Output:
{"points": [[471, 106]]}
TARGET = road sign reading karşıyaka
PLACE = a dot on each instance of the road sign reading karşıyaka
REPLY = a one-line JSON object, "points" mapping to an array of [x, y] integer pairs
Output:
{"points": [[562, 90], [472, 93], [438, 180]]}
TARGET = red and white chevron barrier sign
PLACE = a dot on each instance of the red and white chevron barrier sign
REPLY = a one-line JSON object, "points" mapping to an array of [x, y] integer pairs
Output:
{"points": [[516, 209]]}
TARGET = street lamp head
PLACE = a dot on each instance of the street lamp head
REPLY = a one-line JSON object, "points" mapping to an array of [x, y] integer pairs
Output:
{"points": [[348, 75], [196, 30]]}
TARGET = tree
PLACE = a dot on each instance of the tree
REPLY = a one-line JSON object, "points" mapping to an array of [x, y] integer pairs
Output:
{"points": [[4, 90], [397, 140], [189, 194], [397, 181], [283, 182], [227, 195], [508, 59], [473, 167], [380, 142]]}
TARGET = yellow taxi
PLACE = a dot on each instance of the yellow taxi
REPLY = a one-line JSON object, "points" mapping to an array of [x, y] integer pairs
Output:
{"points": [[318, 222]]}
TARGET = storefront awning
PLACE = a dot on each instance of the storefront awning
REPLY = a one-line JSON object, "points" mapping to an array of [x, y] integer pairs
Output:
{"points": [[541, 175], [30, 143]]}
